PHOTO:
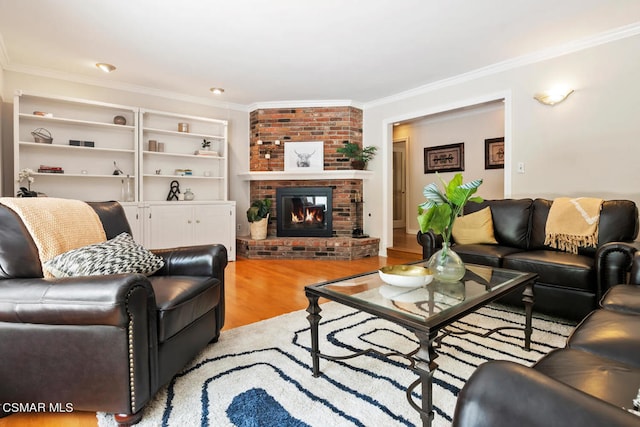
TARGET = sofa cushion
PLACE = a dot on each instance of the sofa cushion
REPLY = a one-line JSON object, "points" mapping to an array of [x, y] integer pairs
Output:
{"points": [[510, 220], [611, 334], [623, 298], [491, 255], [557, 268], [606, 379], [180, 300], [116, 256], [473, 228]]}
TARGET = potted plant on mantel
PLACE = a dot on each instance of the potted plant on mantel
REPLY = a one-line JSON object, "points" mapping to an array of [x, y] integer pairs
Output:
{"points": [[359, 156], [258, 216]]}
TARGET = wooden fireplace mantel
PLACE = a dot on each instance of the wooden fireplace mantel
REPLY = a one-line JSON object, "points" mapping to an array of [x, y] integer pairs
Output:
{"points": [[300, 176]]}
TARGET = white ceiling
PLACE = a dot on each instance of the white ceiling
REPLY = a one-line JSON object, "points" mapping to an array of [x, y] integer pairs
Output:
{"points": [[289, 50]]}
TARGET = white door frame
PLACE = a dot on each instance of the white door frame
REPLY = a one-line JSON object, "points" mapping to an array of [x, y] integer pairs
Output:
{"points": [[387, 151]]}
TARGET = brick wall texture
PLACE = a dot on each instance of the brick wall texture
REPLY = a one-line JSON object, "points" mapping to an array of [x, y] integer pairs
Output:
{"points": [[332, 125]]}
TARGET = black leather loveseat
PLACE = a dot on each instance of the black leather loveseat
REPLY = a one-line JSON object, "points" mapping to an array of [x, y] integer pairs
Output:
{"points": [[105, 342], [568, 285], [591, 382]]}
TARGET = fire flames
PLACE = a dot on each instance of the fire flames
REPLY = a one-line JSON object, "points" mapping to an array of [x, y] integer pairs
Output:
{"points": [[308, 216]]}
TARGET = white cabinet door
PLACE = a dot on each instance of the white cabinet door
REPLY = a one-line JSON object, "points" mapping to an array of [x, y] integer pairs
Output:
{"points": [[215, 224], [135, 218], [170, 226]]}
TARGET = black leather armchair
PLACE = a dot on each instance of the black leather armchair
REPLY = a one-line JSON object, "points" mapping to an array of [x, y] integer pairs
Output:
{"points": [[102, 343]]}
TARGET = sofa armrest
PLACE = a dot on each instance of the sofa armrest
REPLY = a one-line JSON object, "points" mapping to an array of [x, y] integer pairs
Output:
{"points": [[88, 300], [504, 394], [613, 263], [203, 260], [430, 242]]}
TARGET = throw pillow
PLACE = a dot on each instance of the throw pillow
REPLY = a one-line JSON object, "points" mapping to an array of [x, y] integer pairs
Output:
{"points": [[474, 228], [118, 255]]}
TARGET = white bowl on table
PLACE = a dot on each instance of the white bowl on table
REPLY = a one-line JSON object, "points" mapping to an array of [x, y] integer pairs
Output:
{"points": [[406, 276]]}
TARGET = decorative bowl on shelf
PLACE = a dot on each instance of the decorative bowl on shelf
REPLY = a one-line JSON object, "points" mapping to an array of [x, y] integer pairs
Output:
{"points": [[406, 276]]}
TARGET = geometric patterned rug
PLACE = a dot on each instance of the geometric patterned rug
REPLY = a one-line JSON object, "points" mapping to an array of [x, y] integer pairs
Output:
{"points": [[260, 374]]}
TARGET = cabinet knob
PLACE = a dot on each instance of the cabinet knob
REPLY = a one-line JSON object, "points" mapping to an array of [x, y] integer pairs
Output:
{"points": [[197, 221], [189, 222]]}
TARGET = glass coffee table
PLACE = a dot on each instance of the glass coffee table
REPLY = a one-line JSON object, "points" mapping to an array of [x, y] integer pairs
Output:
{"points": [[426, 311]]}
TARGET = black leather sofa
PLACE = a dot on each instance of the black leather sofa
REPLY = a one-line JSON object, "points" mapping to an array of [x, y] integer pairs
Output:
{"points": [[102, 343], [593, 381], [568, 285]]}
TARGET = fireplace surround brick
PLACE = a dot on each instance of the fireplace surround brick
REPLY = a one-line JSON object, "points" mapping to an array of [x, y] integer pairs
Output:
{"points": [[345, 192], [334, 126]]}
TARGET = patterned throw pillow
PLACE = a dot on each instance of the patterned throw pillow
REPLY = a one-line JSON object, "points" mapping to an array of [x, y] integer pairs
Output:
{"points": [[118, 255]]}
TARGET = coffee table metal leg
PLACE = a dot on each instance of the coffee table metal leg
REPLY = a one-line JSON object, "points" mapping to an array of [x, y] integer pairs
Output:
{"points": [[426, 367], [528, 298], [314, 319]]}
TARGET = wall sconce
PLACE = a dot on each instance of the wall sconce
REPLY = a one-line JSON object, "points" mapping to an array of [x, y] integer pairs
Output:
{"points": [[553, 96], [107, 68]]}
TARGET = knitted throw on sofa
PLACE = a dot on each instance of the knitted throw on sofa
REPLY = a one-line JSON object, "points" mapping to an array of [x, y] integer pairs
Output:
{"points": [[57, 225], [573, 223]]}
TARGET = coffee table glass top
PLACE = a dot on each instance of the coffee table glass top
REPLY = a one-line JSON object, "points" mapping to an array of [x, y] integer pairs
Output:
{"points": [[428, 305]]}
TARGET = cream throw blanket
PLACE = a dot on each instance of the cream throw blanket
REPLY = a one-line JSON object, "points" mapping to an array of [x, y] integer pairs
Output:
{"points": [[573, 223], [57, 225]]}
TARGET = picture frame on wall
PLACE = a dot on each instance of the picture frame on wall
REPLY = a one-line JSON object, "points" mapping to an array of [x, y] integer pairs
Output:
{"points": [[444, 158], [304, 156], [494, 153]]}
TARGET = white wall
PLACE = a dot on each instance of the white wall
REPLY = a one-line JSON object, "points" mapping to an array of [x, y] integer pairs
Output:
{"points": [[588, 145], [472, 127], [238, 122]]}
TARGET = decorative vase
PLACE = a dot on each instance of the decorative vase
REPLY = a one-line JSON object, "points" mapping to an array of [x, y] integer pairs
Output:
{"points": [[259, 229], [446, 265]]}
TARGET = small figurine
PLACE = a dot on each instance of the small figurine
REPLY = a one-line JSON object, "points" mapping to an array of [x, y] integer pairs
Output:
{"points": [[174, 190]]}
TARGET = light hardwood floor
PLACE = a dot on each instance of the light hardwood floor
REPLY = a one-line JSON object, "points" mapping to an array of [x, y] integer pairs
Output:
{"points": [[255, 290]]}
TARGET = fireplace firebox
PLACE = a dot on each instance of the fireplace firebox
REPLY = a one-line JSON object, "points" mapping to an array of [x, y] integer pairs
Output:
{"points": [[304, 211]]}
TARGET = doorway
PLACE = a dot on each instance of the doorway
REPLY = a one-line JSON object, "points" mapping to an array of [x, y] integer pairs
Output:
{"points": [[435, 127], [400, 183]]}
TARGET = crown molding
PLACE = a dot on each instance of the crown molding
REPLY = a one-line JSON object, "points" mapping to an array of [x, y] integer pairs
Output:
{"points": [[76, 78], [520, 61], [305, 104], [543, 55]]}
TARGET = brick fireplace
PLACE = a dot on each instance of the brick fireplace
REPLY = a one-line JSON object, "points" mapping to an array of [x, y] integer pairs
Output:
{"points": [[333, 126]]}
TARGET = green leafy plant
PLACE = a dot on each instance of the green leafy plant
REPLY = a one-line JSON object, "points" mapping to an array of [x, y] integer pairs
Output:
{"points": [[353, 151], [258, 210], [440, 210]]}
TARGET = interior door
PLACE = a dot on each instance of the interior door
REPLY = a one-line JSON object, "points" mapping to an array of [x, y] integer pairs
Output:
{"points": [[399, 183]]}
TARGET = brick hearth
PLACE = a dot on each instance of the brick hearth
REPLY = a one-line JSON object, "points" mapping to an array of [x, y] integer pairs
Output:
{"points": [[339, 248]]}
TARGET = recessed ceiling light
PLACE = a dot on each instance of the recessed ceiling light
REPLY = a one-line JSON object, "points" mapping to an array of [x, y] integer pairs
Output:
{"points": [[217, 90], [107, 68]]}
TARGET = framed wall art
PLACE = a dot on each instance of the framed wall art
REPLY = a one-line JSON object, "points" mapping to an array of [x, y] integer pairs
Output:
{"points": [[444, 158], [304, 156], [494, 153]]}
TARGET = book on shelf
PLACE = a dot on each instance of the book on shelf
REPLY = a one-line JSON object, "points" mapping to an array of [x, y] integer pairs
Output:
{"points": [[207, 153], [50, 169]]}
